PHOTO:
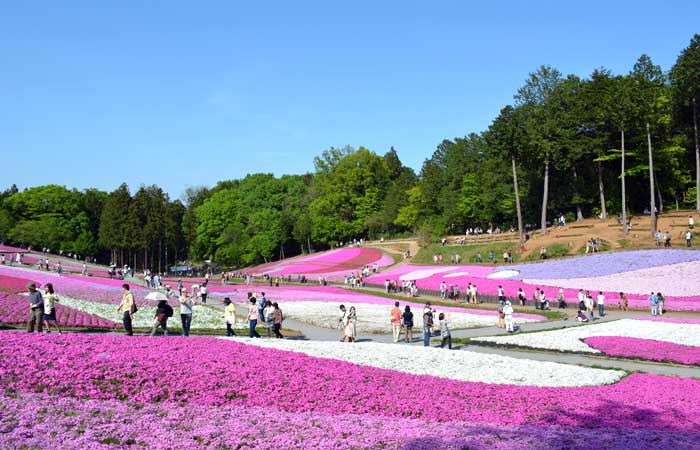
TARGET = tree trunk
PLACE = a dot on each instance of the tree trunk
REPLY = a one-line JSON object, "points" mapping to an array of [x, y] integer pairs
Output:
{"points": [[160, 252], [622, 175], [544, 198], [603, 210], [651, 184], [579, 212], [697, 157], [517, 202], [661, 201]]}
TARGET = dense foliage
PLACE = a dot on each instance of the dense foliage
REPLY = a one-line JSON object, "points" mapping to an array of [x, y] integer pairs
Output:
{"points": [[562, 140]]}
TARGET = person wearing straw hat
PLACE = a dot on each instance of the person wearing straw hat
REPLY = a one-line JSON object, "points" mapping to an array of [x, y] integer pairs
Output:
{"points": [[36, 309]]}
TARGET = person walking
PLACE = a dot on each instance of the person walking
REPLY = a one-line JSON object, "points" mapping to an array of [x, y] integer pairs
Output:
{"points": [[277, 319], [407, 322], [521, 297], [253, 318], [443, 290], [501, 294], [186, 303], [508, 316], [229, 316], [50, 298], [396, 321], [36, 309], [179, 286], [262, 303], [127, 307], [160, 318], [445, 332]]}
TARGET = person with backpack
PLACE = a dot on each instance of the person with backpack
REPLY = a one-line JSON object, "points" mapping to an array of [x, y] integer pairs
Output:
{"points": [[160, 318], [407, 323], [127, 307], [277, 319]]}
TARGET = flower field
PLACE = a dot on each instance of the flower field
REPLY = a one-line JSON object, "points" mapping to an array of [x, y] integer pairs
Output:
{"points": [[574, 339], [637, 273], [333, 264], [80, 391], [628, 347], [14, 309]]}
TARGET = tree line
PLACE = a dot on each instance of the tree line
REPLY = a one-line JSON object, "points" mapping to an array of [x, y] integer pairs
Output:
{"points": [[607, 143]]}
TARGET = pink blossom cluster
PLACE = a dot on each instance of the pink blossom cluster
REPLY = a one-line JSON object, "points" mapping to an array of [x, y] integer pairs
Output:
{"points": [[225, 374], [14, 284], [39, 421], [14, 309], [649, 349], [430, 277], [333, 264]]}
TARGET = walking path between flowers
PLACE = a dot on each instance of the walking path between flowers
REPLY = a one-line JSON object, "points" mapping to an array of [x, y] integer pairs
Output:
{"points": [[314, 333]]}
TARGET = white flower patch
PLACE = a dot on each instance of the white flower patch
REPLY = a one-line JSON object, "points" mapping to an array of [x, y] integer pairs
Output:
{"points": [[424, 273], [455, 365], [569, 339], [503, 274], [203, 317], [376, 318]]}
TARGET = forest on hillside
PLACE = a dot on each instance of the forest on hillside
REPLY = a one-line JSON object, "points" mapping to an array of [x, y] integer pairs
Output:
{"points": [[567, 145]]}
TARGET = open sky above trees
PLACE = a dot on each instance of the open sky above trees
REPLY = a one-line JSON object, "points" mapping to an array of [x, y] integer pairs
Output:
{"points": [[179, 94]]}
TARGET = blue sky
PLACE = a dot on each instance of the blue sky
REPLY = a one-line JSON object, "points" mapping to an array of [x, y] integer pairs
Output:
{"points": [[189, 93]]}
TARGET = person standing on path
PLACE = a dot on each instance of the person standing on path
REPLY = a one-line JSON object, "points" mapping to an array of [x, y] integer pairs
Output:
{"points": [[36, 309], [179, 286], [253, 318], [127, 308], [262, 303], [501, 295], [186, 303], [277, 319], [654, 302], [589, 305], [341, 322], [601, 304], [350, 333], [269, 313], [427, 324], [407, 319], [508, 313], [396, 321], [662, 300], [445, 332], [443, 290], [50, 298], [203, 292]]}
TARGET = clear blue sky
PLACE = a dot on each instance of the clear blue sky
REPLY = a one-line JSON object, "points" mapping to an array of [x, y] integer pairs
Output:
{"points": [[93, 93]]}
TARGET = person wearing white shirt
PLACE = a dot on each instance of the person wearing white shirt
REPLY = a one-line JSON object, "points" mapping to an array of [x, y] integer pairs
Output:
{"points": [[601, 304], [508, 311]]}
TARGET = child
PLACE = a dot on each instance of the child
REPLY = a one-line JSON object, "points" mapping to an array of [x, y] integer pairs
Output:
{"points": [[445, 332], [581, 316]]}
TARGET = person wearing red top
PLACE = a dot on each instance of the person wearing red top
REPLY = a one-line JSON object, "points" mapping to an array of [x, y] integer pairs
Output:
{"points": [[396, 321]]}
